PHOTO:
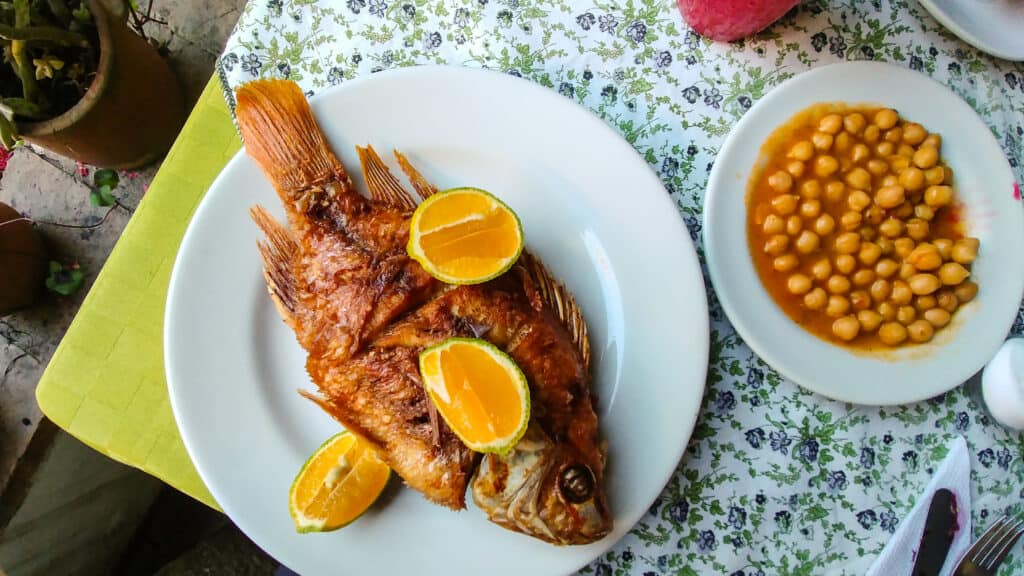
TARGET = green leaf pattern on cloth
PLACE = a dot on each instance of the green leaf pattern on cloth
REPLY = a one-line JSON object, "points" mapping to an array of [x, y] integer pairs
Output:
{"points": [[776, 480]]}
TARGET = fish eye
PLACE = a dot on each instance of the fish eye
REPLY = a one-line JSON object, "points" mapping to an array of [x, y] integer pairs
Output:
{"points": [[576, 484]]}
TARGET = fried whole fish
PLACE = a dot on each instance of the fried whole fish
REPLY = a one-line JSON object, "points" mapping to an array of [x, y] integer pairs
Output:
{"points": [[363, 310]]}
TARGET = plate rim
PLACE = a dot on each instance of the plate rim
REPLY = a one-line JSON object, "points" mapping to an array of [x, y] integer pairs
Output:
{"points": [[966, 35], [698, 332]]}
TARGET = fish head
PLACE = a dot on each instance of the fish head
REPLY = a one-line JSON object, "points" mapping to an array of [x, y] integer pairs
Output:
{"points": [[546, 490]]}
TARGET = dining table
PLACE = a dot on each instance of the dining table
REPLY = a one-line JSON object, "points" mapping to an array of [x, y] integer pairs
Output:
{"points": [[775, 479]]}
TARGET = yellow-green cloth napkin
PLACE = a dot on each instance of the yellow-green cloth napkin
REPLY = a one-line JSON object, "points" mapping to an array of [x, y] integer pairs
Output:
{"points": [[105, 384]]}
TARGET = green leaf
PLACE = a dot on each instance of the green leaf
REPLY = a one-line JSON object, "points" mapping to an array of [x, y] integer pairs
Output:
{"points": [[64, 280], [105, 177], [101, 196], [82, 14]]}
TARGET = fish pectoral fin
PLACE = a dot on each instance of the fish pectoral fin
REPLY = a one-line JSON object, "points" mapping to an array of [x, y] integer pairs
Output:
{"points": [[383, 185], [423, 187], [278, 251], [560, 301]]}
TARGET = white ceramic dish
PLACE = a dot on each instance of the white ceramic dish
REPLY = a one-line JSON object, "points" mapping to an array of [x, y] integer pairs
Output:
{"points": [[983, 180], [591, 208], [992, 26]]}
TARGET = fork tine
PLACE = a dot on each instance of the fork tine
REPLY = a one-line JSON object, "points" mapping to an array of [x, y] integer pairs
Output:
{"points": [[1006, 543], [983, 545]]}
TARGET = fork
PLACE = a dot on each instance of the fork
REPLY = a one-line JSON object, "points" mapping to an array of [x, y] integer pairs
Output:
{"points": [[985, 555]]}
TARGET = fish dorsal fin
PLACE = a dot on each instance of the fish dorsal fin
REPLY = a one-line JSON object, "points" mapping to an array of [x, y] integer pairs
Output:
{"points": [[278, 251], [423, 187], [383, 185], [560, 302]]}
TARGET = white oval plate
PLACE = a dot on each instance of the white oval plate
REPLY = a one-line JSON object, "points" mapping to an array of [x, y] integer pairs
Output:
{"points": [[984, 183], [591, 208], [992, 26]]}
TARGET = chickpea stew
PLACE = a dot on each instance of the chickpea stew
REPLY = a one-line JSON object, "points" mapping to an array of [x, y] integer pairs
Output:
{"points": [[854, 227]]}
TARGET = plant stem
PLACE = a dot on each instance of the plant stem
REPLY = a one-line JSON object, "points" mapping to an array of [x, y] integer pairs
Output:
{"points": [[44, 34], [59, 225], [23, 67]]}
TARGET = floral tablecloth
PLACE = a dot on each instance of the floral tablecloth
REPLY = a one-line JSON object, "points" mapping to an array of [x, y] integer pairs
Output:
{"points": [[776, 480]]}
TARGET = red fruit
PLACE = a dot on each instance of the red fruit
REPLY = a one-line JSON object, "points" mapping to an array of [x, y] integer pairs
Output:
{"points": [[729, 20]]}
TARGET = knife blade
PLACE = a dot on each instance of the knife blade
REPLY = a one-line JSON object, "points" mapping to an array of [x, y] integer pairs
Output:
{"points": [[939, 528]]}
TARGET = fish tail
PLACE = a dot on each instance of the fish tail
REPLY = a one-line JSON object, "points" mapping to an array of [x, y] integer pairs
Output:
{"points": [[281, 135], [279, 252]]}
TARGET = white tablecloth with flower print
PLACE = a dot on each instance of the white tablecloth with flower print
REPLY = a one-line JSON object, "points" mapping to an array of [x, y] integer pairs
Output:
{"points": [[776, 480]]}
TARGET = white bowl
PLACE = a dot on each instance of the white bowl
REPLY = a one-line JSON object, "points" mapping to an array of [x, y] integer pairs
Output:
{"points": [[984, 182]]}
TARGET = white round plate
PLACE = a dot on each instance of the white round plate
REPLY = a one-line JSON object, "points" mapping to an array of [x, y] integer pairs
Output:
{"points": [[984, 183], [992, 26], [592, 210]]}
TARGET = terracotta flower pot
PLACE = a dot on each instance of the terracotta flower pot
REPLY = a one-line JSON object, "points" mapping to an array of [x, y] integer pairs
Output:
{"points": [[23, 262], [131, 112]]}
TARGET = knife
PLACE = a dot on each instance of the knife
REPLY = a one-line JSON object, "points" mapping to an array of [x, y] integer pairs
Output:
{"points": [[939, 528]]}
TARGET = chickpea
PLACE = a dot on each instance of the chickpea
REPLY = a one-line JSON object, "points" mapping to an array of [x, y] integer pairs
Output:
{"points": [[785, 204], [947, 300], [889, 180], [917, 229], [935, 176], [821, 269], [845, 263], [938, 196], [965, 250], [912, 179], [904, 211], [842, 143], [854, 123], [846, 328], [887, 311], [886, 118], [924, 212], [869, 320], [871, 134], [905, 315], [824, 225], [860, 300], [899, 163], [859, 153], [966, 291], [793, 225], [945, 247], [850, 220], [847, 243], [863, 277], [885, 244], [834, 191], [886, 268], [822, 141], [890, 196], [894, 135], [891, 228], [921, 284], [858, 178], [810, 208], [869, 253], [923, 303], [952, 273], [858, 200], [920, 331], [831, 124], [914, 133], [867, 233], [880, 290], [873, 215], [773, 224], [785, 263], [885, 149], [933, 140], [937, 317], [877, 167], [925, 157], [925, 256], [816, 299], [901, 293], [837, 306], [776, 244], [807, 242], [892, 333], [905, 151], [780, 181], [825, 166], [906, 271], [947, 175], [799, 284], [802, 150], [903, 246], [795, 168], [810, 189], [838, 284]]}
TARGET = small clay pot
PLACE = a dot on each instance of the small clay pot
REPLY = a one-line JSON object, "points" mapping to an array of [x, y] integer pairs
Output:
{"points": [[132, 111], [23, 262]]}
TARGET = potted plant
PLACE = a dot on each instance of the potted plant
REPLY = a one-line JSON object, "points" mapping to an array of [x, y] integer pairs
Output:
{"points": [[79, 82], [23, 262]]}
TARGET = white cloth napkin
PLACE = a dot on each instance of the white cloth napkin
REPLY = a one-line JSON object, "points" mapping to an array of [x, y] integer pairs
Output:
{"points": [[954, 474]]}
